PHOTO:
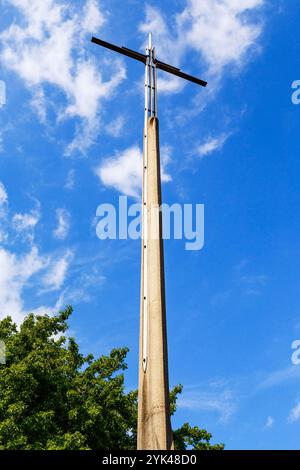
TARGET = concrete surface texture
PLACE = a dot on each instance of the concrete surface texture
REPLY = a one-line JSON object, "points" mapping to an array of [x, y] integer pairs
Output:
{"points": [[154, 425]]}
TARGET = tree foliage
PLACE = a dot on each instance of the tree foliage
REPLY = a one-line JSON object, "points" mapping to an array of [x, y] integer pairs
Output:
{"points": [[52, 397]]}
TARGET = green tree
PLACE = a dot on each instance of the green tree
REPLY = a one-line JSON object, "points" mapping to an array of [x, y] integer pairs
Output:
{"points": [[52, 397]]}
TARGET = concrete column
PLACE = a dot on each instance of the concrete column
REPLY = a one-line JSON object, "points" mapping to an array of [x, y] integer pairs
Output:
{"points": [[154, 426]]}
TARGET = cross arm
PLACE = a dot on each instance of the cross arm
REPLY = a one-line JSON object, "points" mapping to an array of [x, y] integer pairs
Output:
{"points": [[179, 73], [121, 50]]}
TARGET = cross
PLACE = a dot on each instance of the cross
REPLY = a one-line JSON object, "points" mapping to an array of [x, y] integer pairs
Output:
{"points": [[154, 425]]}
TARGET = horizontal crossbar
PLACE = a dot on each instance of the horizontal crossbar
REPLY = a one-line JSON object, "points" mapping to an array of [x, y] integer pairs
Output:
{"points": [[121, 50], [143, 58], [178, 73]]}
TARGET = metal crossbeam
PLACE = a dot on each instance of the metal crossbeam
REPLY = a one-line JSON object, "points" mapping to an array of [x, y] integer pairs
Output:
{"points": [[179, 73], [120, 50], [143, 58]]}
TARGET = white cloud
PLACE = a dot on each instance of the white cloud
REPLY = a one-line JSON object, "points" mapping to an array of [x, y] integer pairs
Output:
{"points": [[269, 423], [220, 31], [70, 181], [3, 236], [123, 171], [2, 93], [49, 310], [93, 18], [294, 414], [38, 103], [223, 402], [3, 200], [211, 145], [171, 84], [48, 47], [3, 130], [63, 224], [3, 195], [84, 287], [115, 127], [253, 284], [166, 159], [20, 272], [57, 272], [15, 273], [24, 224], [85, 135], [280, 376]]}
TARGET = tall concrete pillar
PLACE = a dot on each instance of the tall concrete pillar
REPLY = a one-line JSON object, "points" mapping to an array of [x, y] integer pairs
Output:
{"points": [[154, 425]]}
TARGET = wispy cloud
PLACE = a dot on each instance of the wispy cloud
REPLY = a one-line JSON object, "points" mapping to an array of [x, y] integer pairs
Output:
{"points": [[280, 376], [3, 200], [70, 180], [123, 171], [254, 284], [115, 127], [211, 145], [294, 414], [84, 286], [217, 399], [57, 272], [269, 423], [3, 195], [63, 224], [24, 224], [2, 94], [240, 281]]}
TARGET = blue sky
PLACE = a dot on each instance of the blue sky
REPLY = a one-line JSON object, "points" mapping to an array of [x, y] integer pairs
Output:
{"points": [[70, 139]]}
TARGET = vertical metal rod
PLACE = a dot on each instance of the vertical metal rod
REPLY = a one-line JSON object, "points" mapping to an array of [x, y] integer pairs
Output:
{"points": [[144, 216], [150, 111], [155, 84], [150, 75]]}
